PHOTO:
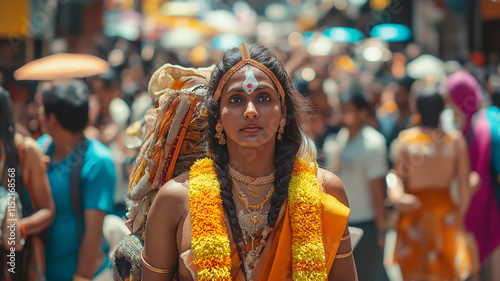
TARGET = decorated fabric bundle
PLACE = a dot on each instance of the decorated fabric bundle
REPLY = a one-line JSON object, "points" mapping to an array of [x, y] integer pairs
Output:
{"points": [[172, 135]]}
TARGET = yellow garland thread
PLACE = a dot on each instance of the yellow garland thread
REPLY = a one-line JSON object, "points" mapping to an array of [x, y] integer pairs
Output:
{"points": [[210, 242]]}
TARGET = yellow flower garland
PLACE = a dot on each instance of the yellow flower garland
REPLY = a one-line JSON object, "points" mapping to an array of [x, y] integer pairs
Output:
{"points": [[210, 242], [304, 205]]}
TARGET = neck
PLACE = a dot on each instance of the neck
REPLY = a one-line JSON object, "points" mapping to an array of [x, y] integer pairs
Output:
{"points": [[403, 112], [64, 144], [254, 162], [354, 131]]}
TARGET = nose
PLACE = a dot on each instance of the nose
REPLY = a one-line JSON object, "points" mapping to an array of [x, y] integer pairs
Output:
{"points": [[251, 111]]}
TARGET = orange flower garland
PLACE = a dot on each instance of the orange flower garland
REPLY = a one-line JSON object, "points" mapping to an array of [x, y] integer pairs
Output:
{"points": [[304, 204], [210, 242]]}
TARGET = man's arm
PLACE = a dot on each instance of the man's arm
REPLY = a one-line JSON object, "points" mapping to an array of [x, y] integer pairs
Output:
{"points": [[377, 188], [89, 255], [376, 168], [97, 195], [462, 173]]}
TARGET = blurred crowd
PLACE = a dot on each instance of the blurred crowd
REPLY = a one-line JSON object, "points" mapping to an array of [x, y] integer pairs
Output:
{"points": [[414, 139]]}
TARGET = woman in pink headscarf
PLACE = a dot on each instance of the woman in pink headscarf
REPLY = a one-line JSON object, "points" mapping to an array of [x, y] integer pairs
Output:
{"points": [[483, 215]]}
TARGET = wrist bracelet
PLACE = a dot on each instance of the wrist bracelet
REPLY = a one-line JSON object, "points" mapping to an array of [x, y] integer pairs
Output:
{"points": [[23, 230]]}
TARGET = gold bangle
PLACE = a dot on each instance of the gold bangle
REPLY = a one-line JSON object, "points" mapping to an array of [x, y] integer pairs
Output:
{"points": [[155, 269], [345, 237], [339, 256]]}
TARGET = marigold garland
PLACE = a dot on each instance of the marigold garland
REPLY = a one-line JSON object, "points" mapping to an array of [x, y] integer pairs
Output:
{"points": [[210, 242], [209, 239], [304, 205]]}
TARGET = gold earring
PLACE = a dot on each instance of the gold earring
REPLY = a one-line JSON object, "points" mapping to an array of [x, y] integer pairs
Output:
{"points": [[220, 135], [282, 127]]}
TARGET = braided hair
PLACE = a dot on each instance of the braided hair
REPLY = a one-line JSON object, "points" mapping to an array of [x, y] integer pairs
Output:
{"points": [[285, 150]]}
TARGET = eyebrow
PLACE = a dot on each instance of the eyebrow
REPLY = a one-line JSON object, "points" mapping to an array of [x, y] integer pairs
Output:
{"points": [[240, 89]]}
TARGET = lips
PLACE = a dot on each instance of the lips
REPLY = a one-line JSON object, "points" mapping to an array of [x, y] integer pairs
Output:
{"points": [[251, 128]]}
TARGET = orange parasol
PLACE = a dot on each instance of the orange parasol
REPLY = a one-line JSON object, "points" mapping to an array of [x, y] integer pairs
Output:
{"points": [[62, 66]]}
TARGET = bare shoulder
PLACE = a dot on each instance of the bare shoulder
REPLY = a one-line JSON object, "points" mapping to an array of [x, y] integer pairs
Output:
{"points": [[31, 151], [173, 198], [31, 147], [457, 137], [333, 186], [407, 135]]}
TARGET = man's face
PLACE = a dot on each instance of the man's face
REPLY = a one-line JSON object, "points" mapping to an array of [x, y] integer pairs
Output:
{"points": [[400, 95], [46, 122], [352, 116]]}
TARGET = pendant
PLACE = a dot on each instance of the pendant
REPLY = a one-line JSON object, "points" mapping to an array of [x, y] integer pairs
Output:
{"points": [[252, 223], [249, 260], [253, 191]]}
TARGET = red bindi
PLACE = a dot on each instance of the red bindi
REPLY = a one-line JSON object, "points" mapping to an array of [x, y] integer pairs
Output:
{"points": [[249, 85]]}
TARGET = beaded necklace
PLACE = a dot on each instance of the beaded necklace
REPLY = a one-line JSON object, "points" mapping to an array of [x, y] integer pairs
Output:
{"points": [[252, 182]]}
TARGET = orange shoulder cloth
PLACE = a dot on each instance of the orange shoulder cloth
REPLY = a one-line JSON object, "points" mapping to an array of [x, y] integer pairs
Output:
{"points": [[278, 263]]}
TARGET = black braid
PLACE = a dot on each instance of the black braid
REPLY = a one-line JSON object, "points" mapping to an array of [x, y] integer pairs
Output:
{"points": [[285, 152], [283, 175], [221, 162]]}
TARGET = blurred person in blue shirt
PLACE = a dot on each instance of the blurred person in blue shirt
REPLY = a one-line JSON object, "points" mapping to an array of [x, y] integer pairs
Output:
{"points": [[74, 246]]}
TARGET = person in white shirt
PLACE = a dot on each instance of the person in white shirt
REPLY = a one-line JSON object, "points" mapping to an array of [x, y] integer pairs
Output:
{"points": [[358, 156]]}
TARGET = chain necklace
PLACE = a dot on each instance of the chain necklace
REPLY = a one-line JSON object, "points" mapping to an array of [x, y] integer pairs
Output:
{"points": [[252, 182], [253, 224], [254, 221]]}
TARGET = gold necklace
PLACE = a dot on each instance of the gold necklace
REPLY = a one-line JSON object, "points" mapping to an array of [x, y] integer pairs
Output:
{"points": [[243, 197], [252, 182], [252, 224]]}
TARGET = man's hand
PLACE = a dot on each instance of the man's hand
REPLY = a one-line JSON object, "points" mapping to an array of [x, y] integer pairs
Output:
{"points": [[475, 182], [407, 203]]}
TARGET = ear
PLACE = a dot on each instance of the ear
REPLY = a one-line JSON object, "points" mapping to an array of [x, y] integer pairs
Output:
{"points": [[52, 120]]}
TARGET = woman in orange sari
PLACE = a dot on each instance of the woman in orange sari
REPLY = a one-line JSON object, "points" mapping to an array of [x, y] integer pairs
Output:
{"points": [[431, 241], [253, 209]]}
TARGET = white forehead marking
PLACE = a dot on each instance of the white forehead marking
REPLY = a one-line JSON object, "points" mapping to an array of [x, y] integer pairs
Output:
{"points": [[250, 83]]}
